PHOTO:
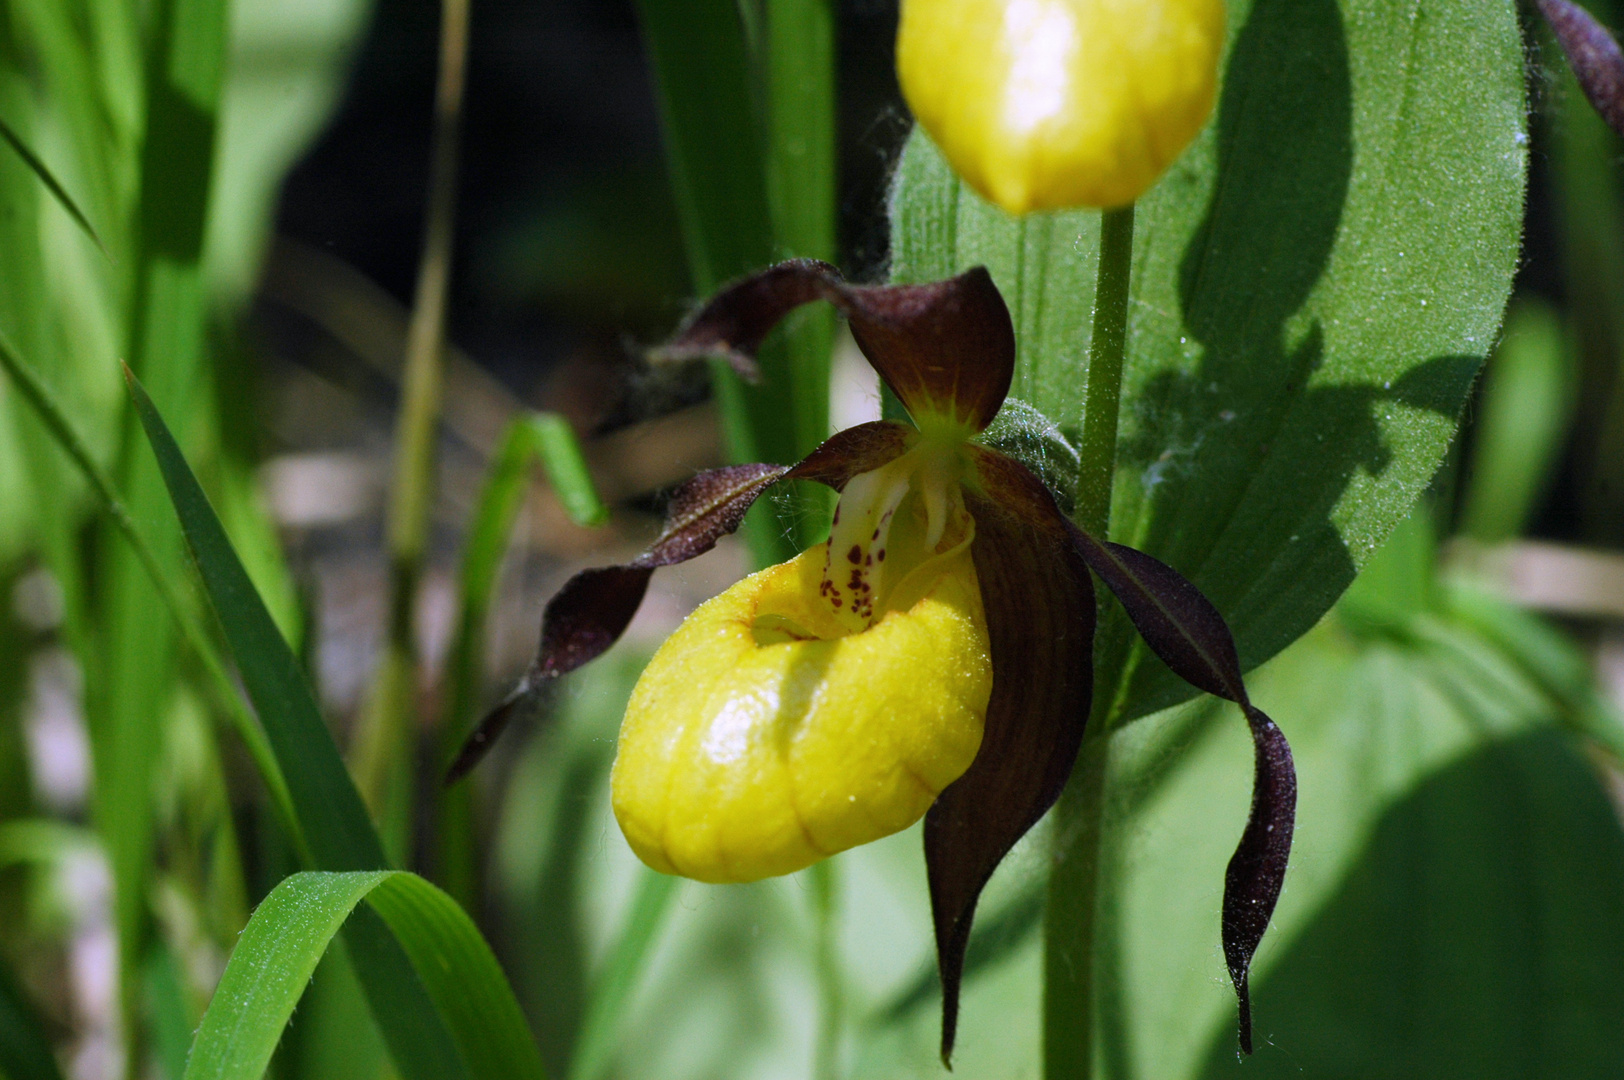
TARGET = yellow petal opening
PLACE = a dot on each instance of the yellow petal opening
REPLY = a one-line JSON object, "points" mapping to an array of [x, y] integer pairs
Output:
{"points": [[1044, 104], [767, 734]]}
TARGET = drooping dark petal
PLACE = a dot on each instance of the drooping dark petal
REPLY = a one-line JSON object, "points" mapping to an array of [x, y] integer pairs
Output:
{"points": [[595, 606], [1039, 601], [1594, 55], [1179, 624], [735, 321], [945, 349], [1258, 867], [1183, 628], [580, 622]]}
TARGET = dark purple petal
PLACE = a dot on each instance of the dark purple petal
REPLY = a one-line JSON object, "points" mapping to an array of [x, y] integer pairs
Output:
{"points": [[947, 348], [702, 511], [1179, 624], [582, 620], [1258, 867], [1183, 628], [1594, 55], [595, 606], [735, 321], [1039, 602]]}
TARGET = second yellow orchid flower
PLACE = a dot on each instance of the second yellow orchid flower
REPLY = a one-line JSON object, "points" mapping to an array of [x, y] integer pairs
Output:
{"points": [[1044, 104]]}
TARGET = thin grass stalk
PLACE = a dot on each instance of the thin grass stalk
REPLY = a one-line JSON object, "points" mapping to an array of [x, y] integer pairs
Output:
{"points": [[385, 758], [801, 195], [1072, 924]]}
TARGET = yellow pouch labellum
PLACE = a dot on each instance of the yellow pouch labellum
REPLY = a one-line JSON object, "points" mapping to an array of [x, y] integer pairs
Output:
{"points": [[1045, 104], [766, 735]]}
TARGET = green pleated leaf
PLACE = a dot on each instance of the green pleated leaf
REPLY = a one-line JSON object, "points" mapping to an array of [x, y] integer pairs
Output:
{"points": [[1315, 287], [291, 931]]}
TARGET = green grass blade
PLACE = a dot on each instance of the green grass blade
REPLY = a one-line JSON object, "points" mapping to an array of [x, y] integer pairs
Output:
{"points": [[39, 397], [462, 978], [801, 185], [135, 677], [278, 952], [553, 441], [335, 823], [703, 81], [705, 85], [52, 184], [25, 1052], [269, 969], [600, 1030], [339, 834]]}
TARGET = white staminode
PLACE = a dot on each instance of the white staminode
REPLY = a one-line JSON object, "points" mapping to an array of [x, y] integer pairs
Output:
{"points": [[854, 572]]}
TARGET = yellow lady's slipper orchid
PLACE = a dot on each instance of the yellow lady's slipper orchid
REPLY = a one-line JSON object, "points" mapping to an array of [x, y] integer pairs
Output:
{"points": [[1044, 104], [934, 657]]}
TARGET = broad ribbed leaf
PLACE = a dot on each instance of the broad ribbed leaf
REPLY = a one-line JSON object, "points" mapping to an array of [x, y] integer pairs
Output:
{"points": [[278, 951], [1453, 909], [1314, 287]]}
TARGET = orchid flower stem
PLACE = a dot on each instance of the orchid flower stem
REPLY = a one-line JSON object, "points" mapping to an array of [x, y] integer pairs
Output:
{"points": [[384, 752], [1105, 355], [825, 887], [1072, 925]]}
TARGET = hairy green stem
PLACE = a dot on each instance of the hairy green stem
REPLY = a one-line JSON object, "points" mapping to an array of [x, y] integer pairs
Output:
{"points": [[1072, 924], [1105, 353], [825, 888], [384, 754]]}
